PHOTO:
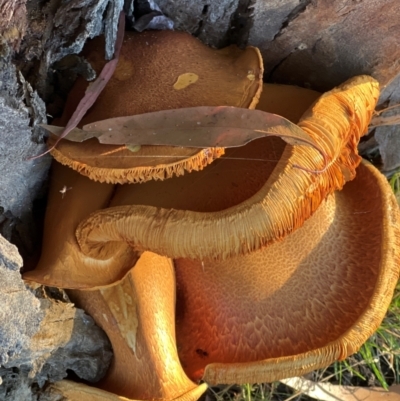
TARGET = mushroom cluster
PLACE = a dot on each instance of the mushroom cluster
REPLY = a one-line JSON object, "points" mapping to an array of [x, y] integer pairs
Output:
{"points": [[245, 270]]}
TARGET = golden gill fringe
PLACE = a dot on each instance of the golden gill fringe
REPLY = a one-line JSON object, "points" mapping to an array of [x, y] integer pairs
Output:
{"points": [[142, 174], [273, 369], [289, 197]]}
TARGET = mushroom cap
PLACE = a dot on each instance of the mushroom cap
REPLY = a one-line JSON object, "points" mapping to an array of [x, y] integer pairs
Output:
{"points": [[158, 70], [211, 215], [299, 304], [62, 263]]}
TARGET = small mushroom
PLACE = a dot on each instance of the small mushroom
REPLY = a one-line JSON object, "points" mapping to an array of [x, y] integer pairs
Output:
{"points": [[159, 70]]}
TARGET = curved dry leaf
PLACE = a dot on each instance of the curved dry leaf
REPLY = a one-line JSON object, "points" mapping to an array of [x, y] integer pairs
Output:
{"points": [[198, 127], [330, 392], [73, 391]]}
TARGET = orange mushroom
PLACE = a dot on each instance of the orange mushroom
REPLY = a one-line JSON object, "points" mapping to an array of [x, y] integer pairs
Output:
{"points": [[241, 313], [159, 70], [246, 318], [61, 263]]}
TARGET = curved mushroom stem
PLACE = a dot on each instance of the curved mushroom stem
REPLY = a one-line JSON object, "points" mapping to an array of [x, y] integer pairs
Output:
{"points": [[138, 315]]}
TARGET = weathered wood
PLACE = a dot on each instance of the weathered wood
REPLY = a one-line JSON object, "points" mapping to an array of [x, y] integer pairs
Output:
{"points": [[42, 335]]}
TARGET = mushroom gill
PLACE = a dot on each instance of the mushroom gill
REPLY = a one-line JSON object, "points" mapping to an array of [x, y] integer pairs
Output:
{"points": [[280, 199], [159, 70]]}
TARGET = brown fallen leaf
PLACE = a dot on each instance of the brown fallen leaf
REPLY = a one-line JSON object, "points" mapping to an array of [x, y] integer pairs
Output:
{"points": [[201, 127], [73, 391]]}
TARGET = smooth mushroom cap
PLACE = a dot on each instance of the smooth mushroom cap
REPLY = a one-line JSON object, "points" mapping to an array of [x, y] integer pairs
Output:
{"points": [[268, 202], [71, 198], [138, 316], [159, 70], [288, 101], [299, 304]]}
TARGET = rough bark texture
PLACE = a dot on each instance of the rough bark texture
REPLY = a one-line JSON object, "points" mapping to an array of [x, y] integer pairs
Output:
{"points": [[210, 21], [326, 42], [42, 335], [20, 179], [388, 137], [316, 43], [41, 338], [12, 21]]}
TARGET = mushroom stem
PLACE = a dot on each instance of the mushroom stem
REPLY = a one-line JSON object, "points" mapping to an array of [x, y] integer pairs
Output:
{"points": [[138, 315], [73, 391]]}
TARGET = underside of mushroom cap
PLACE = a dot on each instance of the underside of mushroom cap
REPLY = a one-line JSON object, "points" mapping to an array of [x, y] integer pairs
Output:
{"points": [[159, 70], [299, 304], [284, 198]]}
